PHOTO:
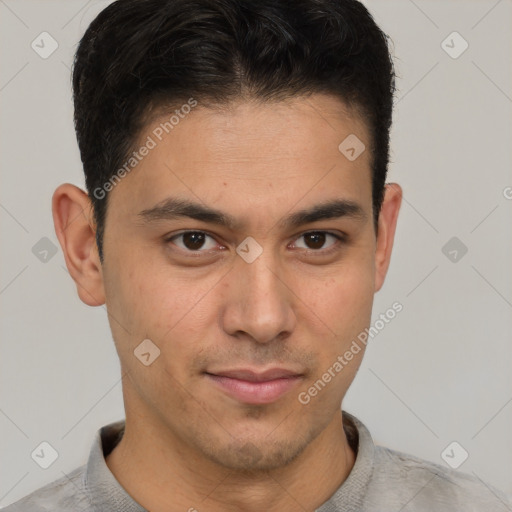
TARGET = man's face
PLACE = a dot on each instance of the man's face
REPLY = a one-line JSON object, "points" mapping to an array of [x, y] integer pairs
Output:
{"points": [[220, 317]]}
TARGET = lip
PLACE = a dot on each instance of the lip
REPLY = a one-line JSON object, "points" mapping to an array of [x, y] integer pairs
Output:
{"points": [[255, 388]]}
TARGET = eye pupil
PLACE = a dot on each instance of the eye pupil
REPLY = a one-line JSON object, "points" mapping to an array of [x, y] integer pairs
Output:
{"points": [[193, 240], [317, 240]]}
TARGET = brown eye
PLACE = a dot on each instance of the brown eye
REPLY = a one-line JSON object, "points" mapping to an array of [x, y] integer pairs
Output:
{"points": [[316, 240], [193, 241]]}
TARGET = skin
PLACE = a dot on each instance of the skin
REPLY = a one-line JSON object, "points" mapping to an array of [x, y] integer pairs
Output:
{"points": [[187, 443]]}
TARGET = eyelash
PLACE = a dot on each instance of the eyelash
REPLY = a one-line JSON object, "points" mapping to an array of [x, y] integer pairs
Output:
{"points": [[334, 247]]}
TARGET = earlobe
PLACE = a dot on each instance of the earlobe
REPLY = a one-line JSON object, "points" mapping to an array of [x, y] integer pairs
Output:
{"points": [[387, 225], [74, 227]]}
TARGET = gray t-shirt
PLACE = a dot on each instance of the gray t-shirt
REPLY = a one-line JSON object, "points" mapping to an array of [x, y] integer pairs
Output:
{"points": [[382, 480]]}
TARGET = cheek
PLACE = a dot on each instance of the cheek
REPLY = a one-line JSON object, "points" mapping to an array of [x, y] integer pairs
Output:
{"points": [[344, 298], [344, 304], [355, 298], [133, 303], [171, 309]]}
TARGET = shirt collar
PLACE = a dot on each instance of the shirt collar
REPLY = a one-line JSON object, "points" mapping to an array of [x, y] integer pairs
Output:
{"points": [[351, 494], [106, 493]]}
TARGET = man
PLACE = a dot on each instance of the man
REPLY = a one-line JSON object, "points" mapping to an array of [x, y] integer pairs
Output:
{"points": [[237, 225]]}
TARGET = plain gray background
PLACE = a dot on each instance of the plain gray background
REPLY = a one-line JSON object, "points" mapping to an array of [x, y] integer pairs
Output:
{"points": [[439, 372]]}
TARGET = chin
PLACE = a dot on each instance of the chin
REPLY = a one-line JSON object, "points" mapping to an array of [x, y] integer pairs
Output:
{"points": [[257, 455]]}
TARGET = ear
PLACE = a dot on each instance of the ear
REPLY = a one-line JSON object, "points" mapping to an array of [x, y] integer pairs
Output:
{"points": [[386, 232], [74, 225]]}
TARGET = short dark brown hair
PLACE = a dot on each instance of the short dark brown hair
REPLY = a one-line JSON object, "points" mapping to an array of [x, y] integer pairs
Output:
{"points": [[138, 54]]}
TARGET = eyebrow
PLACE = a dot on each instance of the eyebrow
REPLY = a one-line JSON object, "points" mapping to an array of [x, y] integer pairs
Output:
{"points": [[174, 208]]}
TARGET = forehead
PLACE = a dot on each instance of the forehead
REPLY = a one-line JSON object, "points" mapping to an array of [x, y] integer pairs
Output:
{"points": [[250, 157]]}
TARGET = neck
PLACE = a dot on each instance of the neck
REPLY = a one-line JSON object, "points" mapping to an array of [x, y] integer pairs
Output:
{"points": [[164, 476]]}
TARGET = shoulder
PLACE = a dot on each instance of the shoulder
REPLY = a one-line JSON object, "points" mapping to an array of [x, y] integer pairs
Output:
{"points": [[62, 495], [418, 485]]}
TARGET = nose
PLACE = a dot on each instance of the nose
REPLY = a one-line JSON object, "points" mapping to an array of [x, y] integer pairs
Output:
{"points": [[258, 301]]}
